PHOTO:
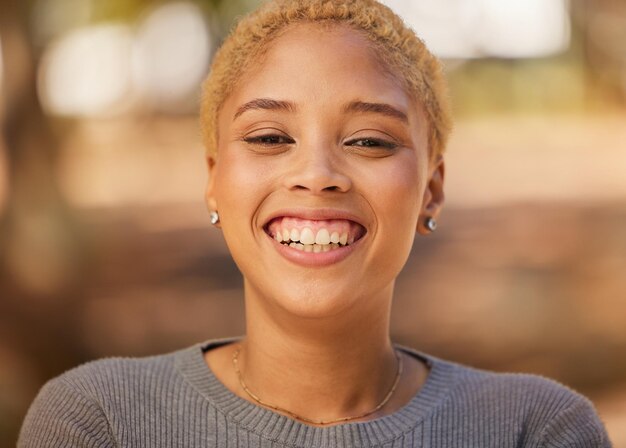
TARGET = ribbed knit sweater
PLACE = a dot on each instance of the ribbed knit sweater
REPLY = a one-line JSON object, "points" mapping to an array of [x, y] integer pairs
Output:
{"points": [[174, 400]]}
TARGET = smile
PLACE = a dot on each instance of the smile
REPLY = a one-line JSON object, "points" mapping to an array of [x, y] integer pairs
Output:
{"points": [[314, 235]]}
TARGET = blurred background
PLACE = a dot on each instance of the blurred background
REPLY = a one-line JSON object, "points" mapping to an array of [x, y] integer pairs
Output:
{"points": [[105, 245]]}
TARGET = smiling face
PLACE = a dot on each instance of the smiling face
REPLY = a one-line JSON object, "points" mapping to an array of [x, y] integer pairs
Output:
{"points": [[322, 173]]}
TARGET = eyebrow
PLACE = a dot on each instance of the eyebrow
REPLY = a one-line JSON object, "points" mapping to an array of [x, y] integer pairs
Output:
{"points": [[378, 108], [352, 107], [265, 104]]}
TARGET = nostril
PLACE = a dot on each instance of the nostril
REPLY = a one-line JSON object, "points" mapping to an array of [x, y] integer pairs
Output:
{"points": [[316, 178]]}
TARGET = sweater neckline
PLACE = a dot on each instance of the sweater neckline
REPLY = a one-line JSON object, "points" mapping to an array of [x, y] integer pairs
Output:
{"points": [[279, 428]]}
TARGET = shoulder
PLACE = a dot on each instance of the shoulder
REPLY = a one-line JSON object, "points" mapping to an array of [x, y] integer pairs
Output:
{"points": [[101, 377], [553, 414], [110, 380], [543, 412], [528, 390], [471, 384], [75, 408]]}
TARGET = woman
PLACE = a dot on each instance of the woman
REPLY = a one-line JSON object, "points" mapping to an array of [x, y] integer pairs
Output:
{"points": [[325, 124]]}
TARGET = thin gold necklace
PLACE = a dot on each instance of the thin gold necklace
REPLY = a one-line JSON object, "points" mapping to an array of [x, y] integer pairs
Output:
{"points": [[308, 420]]}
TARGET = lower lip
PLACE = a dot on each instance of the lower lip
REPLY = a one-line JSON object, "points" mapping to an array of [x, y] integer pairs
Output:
{"points": [[314, 259]]}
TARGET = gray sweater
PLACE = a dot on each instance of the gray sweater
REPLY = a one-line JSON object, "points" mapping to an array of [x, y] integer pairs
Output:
{"points": [[174, 400]]}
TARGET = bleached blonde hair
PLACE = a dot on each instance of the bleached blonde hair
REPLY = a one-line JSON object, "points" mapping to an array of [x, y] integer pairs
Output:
{"points": [[397, 46]]}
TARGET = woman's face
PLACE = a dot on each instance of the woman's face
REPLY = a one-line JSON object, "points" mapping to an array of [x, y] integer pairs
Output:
{"points": [[322, 173]]}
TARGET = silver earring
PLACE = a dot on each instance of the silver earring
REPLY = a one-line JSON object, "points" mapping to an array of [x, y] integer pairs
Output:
{"points": [[430, 224], [215, 218]]}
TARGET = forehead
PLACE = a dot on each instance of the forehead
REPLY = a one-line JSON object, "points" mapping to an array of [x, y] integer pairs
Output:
{"points": [[316, 36], [321, 62]]}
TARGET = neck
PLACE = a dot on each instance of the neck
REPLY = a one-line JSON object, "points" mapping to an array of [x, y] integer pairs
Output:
{"points": [[319, 368]]}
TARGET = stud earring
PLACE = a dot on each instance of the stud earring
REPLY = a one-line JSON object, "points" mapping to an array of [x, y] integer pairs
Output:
{"points": [[215, 218], [430, 224]]}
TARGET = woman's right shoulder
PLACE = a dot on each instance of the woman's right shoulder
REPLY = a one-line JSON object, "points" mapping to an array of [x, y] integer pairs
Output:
{"points": [[104, 375], [76, 406]]}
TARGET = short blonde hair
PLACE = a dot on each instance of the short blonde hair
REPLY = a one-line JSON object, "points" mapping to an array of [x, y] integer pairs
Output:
{"points": [[400, 50]]}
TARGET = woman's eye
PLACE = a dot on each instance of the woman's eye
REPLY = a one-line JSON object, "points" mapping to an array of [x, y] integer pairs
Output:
{"points": [[372, 143], [269, 140]]}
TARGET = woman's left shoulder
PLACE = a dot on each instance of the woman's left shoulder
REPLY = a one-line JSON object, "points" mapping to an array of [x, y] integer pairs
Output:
{"points": [[549, 412], [522, 389]]}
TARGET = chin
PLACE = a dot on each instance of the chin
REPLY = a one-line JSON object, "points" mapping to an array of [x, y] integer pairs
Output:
{"points": [[312, 301]]}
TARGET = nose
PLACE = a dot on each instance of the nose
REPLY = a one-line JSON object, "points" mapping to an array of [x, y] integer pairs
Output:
{"points": [[316, 169]]}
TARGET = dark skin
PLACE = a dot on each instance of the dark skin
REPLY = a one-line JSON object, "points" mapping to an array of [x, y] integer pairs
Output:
{"points": [[317, 336]]}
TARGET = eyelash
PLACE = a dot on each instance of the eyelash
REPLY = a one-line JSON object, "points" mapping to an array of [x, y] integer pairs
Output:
{"points": [[373, 142], [262, 140]]}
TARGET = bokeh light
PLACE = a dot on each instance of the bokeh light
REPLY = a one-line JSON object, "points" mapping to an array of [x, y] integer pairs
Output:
{"points": [[106, 69], [172, 55], [88, 72], [524, 28], [461, 29]]}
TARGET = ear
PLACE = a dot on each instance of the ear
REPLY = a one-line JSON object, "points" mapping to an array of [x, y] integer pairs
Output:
{"points": [[433, 199], [209, 194]]}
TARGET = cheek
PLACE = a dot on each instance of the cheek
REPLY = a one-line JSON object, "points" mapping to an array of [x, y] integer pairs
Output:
{"points": [[238, 191], [242, 183], [399, 188], [397, 202], [238, 183]]}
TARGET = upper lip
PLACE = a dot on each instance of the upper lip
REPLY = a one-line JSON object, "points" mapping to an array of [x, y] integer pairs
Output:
{"points": [[314, 214]]}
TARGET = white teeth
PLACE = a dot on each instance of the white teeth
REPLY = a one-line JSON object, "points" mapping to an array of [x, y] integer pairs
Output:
{"points": [[322, 237], [306, 237], [322, 242]]}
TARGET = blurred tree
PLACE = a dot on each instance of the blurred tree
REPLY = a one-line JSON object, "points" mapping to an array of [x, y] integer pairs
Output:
{"points": [[39, 248], [44, 256], [34, 220]]}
